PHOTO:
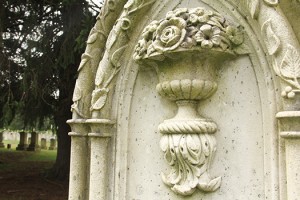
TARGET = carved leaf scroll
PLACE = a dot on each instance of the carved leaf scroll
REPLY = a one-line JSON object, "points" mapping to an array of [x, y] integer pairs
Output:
{"points": [[272, 40], [92, 38], [290, 65], [271, 2], [99, 97], [253, 6], [84, 59]]}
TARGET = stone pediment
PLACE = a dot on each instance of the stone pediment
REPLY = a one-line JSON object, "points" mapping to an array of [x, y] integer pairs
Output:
{"points": [[188, 99]]}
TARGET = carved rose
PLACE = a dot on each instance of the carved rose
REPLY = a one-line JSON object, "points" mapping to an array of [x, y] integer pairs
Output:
{"points": [[170, 34], [208, 36]]}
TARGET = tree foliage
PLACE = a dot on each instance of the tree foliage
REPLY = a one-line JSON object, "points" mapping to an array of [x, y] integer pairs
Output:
{"points": [[40, 46]]}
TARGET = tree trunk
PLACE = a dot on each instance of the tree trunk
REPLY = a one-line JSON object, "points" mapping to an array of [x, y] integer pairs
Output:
{"points": [[72, 16], [60, 170]]}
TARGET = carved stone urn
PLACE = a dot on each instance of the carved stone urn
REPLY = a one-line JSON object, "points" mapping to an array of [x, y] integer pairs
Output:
{"points": [[186, 49]]}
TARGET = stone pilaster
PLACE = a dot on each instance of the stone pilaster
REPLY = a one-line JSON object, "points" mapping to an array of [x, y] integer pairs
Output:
{"points": [[290, 131], [100, 137], [79, 170]]}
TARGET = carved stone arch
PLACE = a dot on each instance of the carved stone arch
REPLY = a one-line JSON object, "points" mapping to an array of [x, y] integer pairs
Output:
{"points": [[107, 128]]}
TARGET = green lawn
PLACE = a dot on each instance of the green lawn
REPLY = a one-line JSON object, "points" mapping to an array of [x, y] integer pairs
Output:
{"points": [[43, 155]]}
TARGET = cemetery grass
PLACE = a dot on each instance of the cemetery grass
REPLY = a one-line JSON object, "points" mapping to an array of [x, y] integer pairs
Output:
{"points": [[23, 176]]}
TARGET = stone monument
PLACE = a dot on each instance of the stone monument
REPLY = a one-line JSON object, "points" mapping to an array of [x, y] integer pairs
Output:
{"points": [[1, 140], [23, 141], [52, 144], [34, 142], [43, 143], [188, 99]]}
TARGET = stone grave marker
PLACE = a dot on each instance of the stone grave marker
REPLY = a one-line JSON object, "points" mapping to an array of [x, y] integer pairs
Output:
{"points": [[43, 143], [52, 144], [1, 140], [188, 99], [23, 145]]}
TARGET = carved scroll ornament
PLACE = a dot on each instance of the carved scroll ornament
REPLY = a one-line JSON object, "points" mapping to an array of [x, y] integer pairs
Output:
{"points": [[186, 48]]}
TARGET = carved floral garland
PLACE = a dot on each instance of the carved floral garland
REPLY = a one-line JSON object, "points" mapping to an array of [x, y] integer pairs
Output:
{"points": [[186, 28]]}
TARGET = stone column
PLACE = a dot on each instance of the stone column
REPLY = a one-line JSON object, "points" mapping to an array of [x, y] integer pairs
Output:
{"points": [[79, 171], [100, 137], [1, 140], [34, 146], [23, 142], [43, 143], [290, 130]]}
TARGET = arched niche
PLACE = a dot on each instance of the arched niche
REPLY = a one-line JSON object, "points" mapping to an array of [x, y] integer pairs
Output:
{"points": [[115, 145]]}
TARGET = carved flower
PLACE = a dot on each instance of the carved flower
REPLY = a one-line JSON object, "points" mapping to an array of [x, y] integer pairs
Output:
{"points": [[234, 35], [170, 34], [149, 30], [179, 12], [208, 36], [140, 49], [198, 11], [193, 18]]}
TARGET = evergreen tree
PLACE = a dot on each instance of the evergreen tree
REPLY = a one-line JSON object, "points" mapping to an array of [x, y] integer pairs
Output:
{"points": [[40, 48]]}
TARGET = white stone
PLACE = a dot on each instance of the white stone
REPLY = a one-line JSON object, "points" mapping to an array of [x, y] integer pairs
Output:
{"points": [[233, 67]]}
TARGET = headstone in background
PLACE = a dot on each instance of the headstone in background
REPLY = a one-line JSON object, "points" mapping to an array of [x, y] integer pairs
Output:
{"points": [[1, 140], [43, 143], [8, 146], [34, 145], [52, 144], [23, 142]]}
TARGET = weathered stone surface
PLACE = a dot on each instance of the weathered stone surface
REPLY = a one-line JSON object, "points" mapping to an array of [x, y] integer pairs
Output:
{"points": [[188, 99]]}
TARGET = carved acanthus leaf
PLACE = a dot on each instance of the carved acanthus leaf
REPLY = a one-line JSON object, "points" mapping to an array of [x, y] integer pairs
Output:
{"points": [[289, 71], [253, 6], [290, 65], [271, 39], [189, 155], [271, 2]]}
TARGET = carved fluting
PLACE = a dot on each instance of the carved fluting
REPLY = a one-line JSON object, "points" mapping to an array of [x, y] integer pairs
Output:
{"points": [[186, 89], [190, 156]]}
